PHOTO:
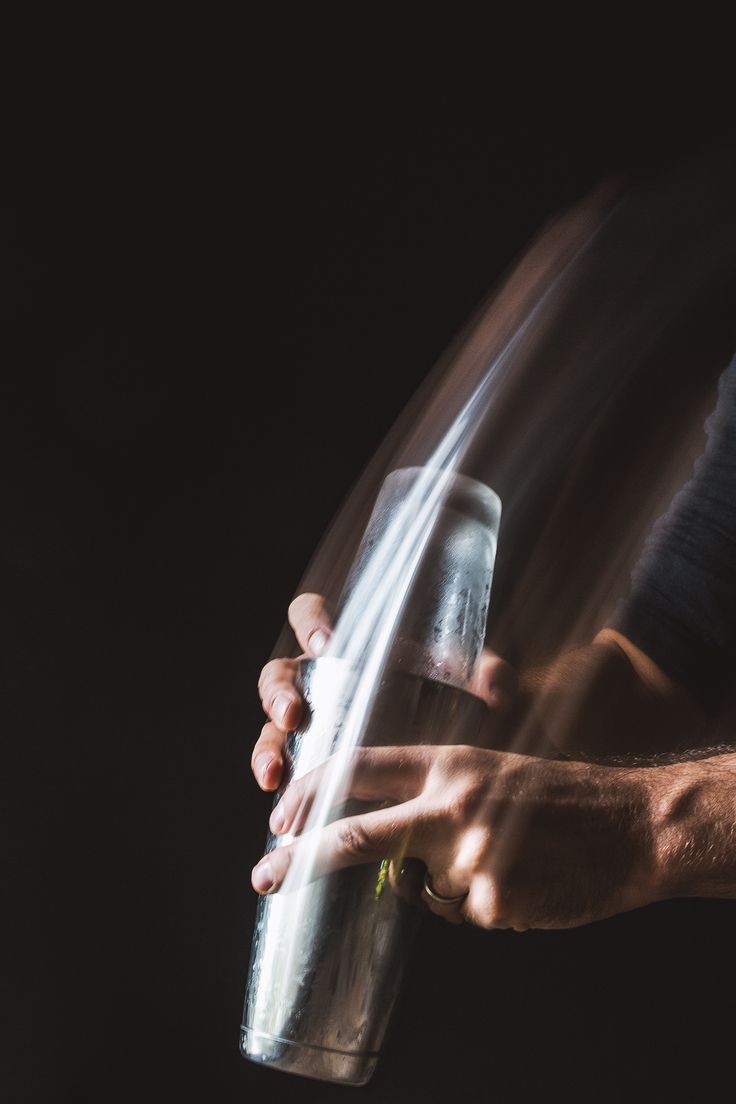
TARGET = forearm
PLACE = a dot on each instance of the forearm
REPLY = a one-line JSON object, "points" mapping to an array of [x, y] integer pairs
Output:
{"points": [[609, 701], [693, 817]]}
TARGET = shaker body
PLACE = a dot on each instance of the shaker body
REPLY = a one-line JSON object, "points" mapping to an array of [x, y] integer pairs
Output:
{"points": [[328, 956]]}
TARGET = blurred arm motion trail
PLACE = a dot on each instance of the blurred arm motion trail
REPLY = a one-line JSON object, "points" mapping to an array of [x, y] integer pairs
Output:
{"points": [[578, 392]]}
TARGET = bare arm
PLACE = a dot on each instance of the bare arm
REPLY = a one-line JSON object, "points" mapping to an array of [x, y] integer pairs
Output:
{"points": [[693, 811], [533, 842], [525, 842]]}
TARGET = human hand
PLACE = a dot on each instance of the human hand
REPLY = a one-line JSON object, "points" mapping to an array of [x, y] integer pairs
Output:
{"points": [[309, 616], [278, 690], [529, 842]]}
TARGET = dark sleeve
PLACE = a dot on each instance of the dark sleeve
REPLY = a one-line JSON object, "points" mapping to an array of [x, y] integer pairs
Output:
{"points": [[681, 610]]}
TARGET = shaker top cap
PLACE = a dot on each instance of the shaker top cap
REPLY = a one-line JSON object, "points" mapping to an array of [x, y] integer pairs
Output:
{"points": [[467, 496]]}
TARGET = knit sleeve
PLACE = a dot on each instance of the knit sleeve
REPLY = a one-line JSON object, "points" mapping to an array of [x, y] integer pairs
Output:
{"points": [[681, 609]]}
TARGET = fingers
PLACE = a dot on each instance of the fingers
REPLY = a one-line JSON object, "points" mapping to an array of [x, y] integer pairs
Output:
{"points": [[279, 695], [400, 832], [278, 688], [369, 837], [482, 906], [405, 878], [267, 760], [495, 681], [310, 619], [371, 774], [448, 910]]}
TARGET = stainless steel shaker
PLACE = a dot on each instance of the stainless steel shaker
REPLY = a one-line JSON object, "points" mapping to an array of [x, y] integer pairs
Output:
{"points": [[328, 956]]}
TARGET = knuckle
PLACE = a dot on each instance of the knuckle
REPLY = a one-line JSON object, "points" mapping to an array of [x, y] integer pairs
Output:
{"points": [[267, 671], [454, 808], [277, 671], [281, 860], [366, 756], [353, 839], [456, 762], [502, 906], [487, 904], [265, 738], [272, 692], [361, 762], [289, 809], [440, 771], [299, 606], [473, 851], [464, 801]]}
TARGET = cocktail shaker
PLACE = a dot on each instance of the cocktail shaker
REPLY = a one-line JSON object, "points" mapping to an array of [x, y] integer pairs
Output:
{"points": [[328, 955]]}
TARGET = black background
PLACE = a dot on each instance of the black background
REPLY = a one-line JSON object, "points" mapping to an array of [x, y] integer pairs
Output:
{"points": [[225, 268]]}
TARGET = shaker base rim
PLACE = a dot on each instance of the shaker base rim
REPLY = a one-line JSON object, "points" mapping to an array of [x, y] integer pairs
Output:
{"points": [[346, 1067]]}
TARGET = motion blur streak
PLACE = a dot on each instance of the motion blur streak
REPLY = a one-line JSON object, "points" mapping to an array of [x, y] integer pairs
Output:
{"points": [[578, 393]]}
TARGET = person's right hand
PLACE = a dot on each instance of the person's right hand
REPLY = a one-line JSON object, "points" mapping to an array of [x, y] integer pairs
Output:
{"points": [[495, 682]]}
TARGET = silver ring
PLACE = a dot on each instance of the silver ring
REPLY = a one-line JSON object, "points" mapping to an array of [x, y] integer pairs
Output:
{"points": [[431, 892]]}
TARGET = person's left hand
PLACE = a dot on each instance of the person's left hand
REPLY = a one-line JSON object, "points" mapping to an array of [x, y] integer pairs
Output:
{"points": [[532, 843]]}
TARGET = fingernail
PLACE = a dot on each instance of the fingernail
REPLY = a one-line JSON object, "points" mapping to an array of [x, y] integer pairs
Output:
{"points": [[262, 877], [318, 642], [263, 762], [279, 708], [276, 822]]}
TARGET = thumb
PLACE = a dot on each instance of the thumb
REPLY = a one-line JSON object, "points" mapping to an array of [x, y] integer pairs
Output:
{"points": [[310, 619]]}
